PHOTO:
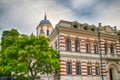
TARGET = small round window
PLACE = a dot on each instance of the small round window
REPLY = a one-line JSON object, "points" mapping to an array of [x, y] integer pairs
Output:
{"points": [[93, 29], [85, 28], [75, 26]]}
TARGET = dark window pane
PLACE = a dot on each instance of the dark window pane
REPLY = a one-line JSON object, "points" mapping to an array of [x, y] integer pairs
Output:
{"points": [[111, 48], [77, 46], [88, 49], [89, 69], [97, 70], [69, 67], [68, 44], [106, 48], [75, 26], [78, 68], [47, 32], [95, 48]]}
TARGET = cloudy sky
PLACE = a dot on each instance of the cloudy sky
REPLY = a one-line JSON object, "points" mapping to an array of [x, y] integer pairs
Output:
{"points": [[25, 15]]}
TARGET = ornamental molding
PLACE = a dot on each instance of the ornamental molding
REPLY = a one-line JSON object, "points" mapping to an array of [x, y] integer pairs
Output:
{"points": [[88, 56]]}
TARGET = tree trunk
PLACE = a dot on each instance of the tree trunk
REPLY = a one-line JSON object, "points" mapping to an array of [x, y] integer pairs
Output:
{"points": [[33, 77]]}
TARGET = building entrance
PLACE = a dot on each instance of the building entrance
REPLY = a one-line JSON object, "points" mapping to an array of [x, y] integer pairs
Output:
{"points": [[111, 74]]}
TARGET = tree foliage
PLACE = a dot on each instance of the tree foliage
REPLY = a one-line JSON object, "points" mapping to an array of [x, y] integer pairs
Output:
{"points": [[22, 54]]}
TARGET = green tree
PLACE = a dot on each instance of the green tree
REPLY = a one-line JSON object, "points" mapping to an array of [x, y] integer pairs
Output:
{"points": [[22, 54], [8, 38]]}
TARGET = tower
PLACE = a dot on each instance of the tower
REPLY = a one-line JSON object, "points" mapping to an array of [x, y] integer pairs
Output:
{"points": [[44, 27]]}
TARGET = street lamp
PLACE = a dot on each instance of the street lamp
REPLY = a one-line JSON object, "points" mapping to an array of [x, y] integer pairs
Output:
{"points": [[57, 71], [100, 55]]}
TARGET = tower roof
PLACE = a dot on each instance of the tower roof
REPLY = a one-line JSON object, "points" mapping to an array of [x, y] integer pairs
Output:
{"points": [[45, 21]]}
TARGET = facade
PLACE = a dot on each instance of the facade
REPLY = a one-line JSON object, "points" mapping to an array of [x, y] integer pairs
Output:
{"points": [[87, 52], [80, 46]]}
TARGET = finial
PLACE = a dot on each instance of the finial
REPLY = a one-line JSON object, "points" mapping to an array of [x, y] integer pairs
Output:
{"points": [[45, 17]]}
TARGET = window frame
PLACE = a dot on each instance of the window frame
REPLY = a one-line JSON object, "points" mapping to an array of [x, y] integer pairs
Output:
{"points": [[106, 48], [89, 69], [78, 68], [48, 32], [77, 45], [68, 44], [96, 50], [88, 48], [97, 69], [69, 68], [112, 49]]}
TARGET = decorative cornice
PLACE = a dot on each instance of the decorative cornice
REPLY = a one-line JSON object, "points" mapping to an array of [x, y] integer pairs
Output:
{"points": [[87, 56], [68, 30]]}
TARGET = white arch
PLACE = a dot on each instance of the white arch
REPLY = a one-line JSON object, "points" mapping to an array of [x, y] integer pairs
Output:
{"points": [[112, 63], [116, 69]]}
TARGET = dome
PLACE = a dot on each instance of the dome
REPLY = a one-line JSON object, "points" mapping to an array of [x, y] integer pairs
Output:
{"points": [[42, 22], [45, 21]]}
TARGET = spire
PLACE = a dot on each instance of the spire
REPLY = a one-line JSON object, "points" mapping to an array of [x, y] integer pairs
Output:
{"points": [[45, 17]]}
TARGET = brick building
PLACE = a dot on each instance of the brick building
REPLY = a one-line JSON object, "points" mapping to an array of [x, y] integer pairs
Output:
{"points": [[87, 52]]}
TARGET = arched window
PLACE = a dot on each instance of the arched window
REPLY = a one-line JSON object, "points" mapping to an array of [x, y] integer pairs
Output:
{"points": [[68, 44], [77, 45], [111, 48], [88, 49], [96, 48], [42, 31], [47, 32], [75, 26], [89, 69], [97, 69], [69, 67], [106, 48], [85, 28], [78, 68]]}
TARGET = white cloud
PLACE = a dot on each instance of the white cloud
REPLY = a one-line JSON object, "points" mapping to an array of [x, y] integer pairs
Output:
{"points": [[78, 4], [25, 15], [109, 14], [104, 11]]}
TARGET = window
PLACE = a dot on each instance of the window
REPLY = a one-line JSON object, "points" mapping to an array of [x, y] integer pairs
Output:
{"points": [[89, 69], [85, 28], [77, 46], [75, 26], [97, 69], [95, 48], [69, 67], [106, 48], [111, 48], [47, 32], [78, 68], [68, 44], [41, 31], [56, 45], [88, 49], [93, 29]]}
